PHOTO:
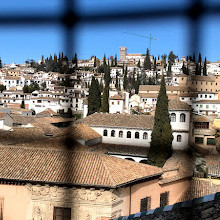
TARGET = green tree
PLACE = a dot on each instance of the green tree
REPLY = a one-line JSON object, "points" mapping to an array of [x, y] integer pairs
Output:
{"points": [[147, 63], [2, 87], [185, 69], [33, 86], [155, 64], [197, 72], [116, 61], [193, 58], [107, 76], [95, 64], [171, 60], [161, 136], [143, 77], [75, 60], [164, 60], [25, 89], [94, 98], [151, 80], [105, 98], [139, 64], [125, 81], [137, 84], [22, 104], [0, 63], [104, 60], [205, 68], [117, 81], [200, 64]]}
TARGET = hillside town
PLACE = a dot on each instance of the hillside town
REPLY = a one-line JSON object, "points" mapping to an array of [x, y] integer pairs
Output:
{"points": [[76, 135]]}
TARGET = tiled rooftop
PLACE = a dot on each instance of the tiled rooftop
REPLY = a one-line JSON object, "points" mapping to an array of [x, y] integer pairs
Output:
{"points": [[68, 167], [119, 120], [176, 104]]}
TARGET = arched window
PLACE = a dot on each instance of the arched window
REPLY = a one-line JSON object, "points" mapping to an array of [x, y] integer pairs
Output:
{"points": [[182, 117], [120, 134], [128, 134], [113, 133], [137, 135], [105, 133], [173, 117], [145, 135], [179, 138]]}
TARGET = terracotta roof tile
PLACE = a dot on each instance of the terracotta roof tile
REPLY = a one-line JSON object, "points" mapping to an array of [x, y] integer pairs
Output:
{"points": [[201, 118], [176, 104], [119, 120], [67, 167], [116, 97], [21, 119], [182, 162]]}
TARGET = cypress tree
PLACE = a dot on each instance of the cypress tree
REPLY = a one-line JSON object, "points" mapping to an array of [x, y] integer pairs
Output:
{"points": [[161, 136], [75, 60], [164, 59], [200, 64], [137, 84], [139, 64], [194, 57], [107, 76], [197, 69], [105, 97], [0, 63], [171, 59], [147, 63], [95, 64], [155, 64], [104, 60], [125, 83], [116, 62], [94, 99], [116, 83], [205, 68], [22, 104]]}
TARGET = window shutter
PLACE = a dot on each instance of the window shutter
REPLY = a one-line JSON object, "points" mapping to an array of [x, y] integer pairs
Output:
{"points": [[145, 204], [164, 199]]}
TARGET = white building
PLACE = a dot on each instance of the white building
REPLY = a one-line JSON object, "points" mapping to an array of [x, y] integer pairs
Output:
{"points": [[206, 107], [116, 104], [136, 130], [180, 114], [115, 70]]}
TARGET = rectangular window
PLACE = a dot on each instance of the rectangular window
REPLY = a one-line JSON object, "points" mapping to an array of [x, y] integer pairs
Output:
{"points": [[164, 199], [201, 125], [145, 204], [61, 213], [201, 106], [207, 106], [199, 140], [210, 141]]}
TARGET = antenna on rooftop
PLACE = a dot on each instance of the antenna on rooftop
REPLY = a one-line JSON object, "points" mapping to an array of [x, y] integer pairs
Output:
{"points": [[149, 37]]}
